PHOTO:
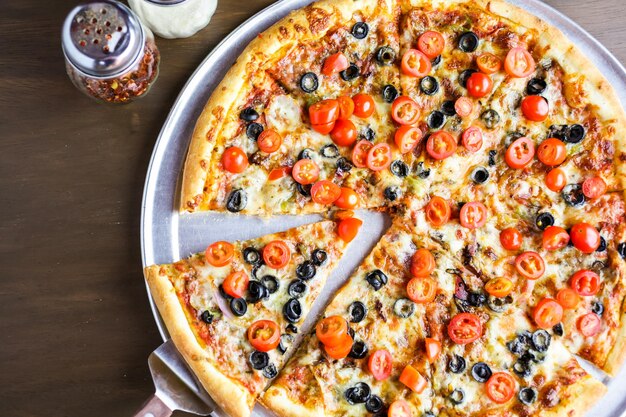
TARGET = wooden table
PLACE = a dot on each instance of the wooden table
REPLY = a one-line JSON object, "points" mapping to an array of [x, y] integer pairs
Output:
{"points": [[75, 326]]}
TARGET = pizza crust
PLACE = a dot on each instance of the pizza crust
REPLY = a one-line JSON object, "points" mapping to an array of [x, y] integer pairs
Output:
{"points": [[230, 396], [277, 400], [581, 396]]}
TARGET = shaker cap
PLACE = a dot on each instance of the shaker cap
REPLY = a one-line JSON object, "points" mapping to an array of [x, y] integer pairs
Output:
{"points": [[103, 38]]}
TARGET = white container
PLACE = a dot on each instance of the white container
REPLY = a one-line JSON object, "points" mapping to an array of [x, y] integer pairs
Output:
{"points": [[174, 18]]}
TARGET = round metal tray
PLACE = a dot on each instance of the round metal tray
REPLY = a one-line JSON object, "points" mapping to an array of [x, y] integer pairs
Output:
{"points": [[167, 236]]}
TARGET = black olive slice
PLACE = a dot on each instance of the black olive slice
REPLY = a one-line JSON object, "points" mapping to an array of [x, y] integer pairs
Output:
{"points": [[602, 246], [249, 114], [621, 250], [522, 368], [237, 200], [527, 395], [296, 288], [291, 328], [330, 151], [359, 350], [270, 371], [392, 193], [476, 299], [356, 312], [259, 360], [512, 137], [292, 310], [252, 256], [447, 108], [309, 82], [597, 307], [254, 130], [558, 329], [306, 270], [520, 344], [399, 168], [457, 396], [376, 279], [403, 308], [468, 42], [499, 304], [481, 372], [385, 55], [306, 153], [256, 292], [536, 86], [350, 73], [558, 131], [428, 414], [351, 332], [360, 30], [304, 190], [319, 257], [479, 175], [490, 118], [368, 134], [464, 76], [575, 133], [429, 85], [223, 293], [456, 364], [270, 282], [436, 61], [541, 340], [492, 157], [374, 404], [389, 93], [435, 119], [238, 306], [422, 172], [573, 195], [343, 165], [286, 340], [358, 394], [206, 317], [543, 220]]}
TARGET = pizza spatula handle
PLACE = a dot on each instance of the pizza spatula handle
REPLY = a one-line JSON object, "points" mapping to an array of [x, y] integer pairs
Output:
{"points": [[154, 407]]}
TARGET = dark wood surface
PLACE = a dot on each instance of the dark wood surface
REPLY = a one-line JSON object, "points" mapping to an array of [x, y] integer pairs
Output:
{"points": [[75, 326]]}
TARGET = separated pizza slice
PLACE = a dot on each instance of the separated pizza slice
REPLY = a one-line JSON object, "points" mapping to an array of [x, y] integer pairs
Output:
{"points": [[233, 310]]}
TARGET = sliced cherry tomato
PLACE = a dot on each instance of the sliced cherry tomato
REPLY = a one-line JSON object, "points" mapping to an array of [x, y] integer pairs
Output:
{"points": [[413, 379], [380, 364], [437, 211], [585, 237], [473, 215], [399, 408], [407, 138], [511, 238], [276, 254], [554, 238], [342, 348], [236, 284], [520, 153], [548, 313], [269, 141], [488, 63], [325, 128], [325, 192], [415, 63], [346, 107], [305, 171], [278, 173], [472, 139], [331, 330], [422, 263], [344, 132], [589, 324], [519, 63], [552, 152], [500, 387], [348, 228], [405, 111], [465, 328], [364, 105], [234, 160], [463, 106], [359, 153], [335, 63], [556, 180], [219, 253], [594, 187], [324, 112], [479, 85], [535, 108], [379, 157], [440, 145], [568, 298], [585, 282], [499, 287], [264, 335], [431, 43], [348, 198], [422, 290], [433, 349], [530, 265]]}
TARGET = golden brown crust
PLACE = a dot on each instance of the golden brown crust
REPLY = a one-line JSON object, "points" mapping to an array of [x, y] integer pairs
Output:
{"points": [[579, 398], [230, 396], [277, 400]]}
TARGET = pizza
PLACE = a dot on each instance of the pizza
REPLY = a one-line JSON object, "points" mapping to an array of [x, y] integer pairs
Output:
{"points": [[498, 150]]}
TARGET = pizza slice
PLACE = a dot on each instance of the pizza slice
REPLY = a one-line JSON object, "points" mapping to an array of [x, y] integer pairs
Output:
{"points": [[233, 310]]}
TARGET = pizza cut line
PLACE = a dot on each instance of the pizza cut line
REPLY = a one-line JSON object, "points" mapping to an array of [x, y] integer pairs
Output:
{"points": [[497, 148]]}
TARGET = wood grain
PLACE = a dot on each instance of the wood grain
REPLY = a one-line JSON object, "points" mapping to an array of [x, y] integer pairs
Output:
{"points": [[75, 325]]}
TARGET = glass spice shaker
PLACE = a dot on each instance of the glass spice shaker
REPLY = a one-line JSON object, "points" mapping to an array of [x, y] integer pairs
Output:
{"points": [[109, 55]]}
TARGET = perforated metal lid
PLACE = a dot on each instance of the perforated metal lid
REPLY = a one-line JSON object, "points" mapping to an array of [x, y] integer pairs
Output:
{"points": [[102, 39]]}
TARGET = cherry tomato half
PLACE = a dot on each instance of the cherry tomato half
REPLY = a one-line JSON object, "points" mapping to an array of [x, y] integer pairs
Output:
{"points": [[556, 180], [463, 106], [422, 290], [348, 198], [472, 139], [433, 349], [325, 192], [276, 254], [594, 187], [234, 160], [380, 364], [500, 387], [548, 313], [305, 171], [236, 284], [364, 105], [219, 253], [585, 237], [488, 63], [405, 111], [278, 173], [341, 349], [264, 335], [554, 238], [520, 153], [413, 379], [479, 85], [465, 328], [325, 128], [535, 108], [431, 43], [437, 211], [585, 282], [415, 63], [379, 157], [399, 408], [473, 215], [499, 287], [269, 141], [530, 265], [519, 63], [422, 263], [440, 145], [552, 152], [331, 330], [407, 138], [335, 63], [344, 132], [359, 153], [589, 324], [511, 238], [568, 298], [348, 228], [324, 112], [346, 107]]}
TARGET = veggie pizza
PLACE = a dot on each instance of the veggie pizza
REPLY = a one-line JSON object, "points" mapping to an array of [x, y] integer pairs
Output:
{"points": [[497, 148]]}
